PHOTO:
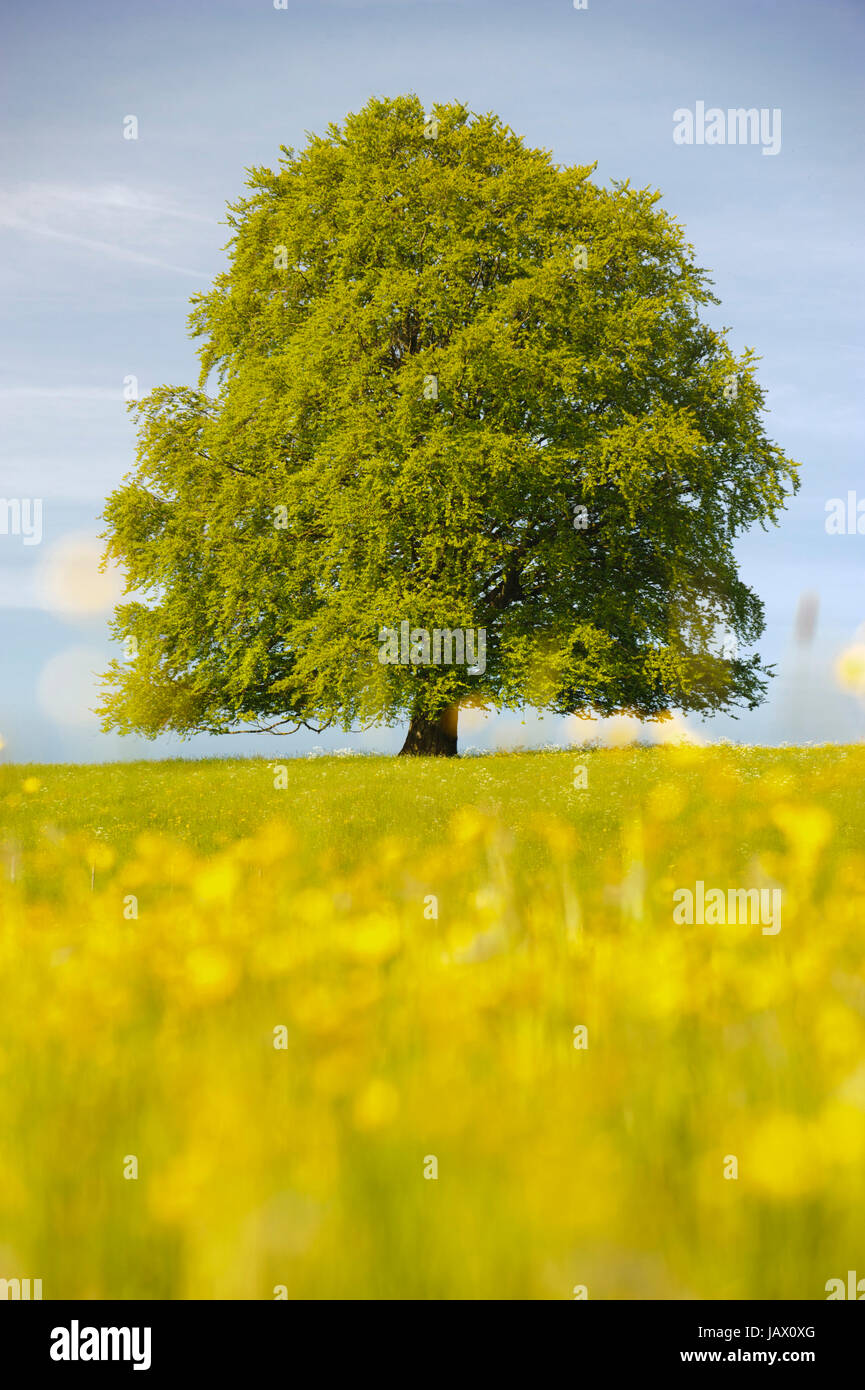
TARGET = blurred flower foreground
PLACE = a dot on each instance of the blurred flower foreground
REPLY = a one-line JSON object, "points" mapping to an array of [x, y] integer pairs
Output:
{"points": [[375, 1029]]}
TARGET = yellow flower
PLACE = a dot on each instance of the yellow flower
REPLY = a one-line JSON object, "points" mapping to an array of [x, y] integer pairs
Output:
{"points": [[561, 837], [806, 828], [178, 1189], [782, 1158], [374, 938], [841, 1131], [376, 1105], [468, 824], [216, 883], [211, 973], [666, 801], [100, 856], [337, 1073]]}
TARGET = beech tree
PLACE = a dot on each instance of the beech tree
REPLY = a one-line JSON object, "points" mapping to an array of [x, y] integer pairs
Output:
{"points": [[446, 383]]}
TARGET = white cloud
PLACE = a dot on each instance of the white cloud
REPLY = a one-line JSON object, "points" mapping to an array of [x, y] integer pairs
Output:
{"points": [[110, 219], [105, 248], [64, 393], [36, 201]]}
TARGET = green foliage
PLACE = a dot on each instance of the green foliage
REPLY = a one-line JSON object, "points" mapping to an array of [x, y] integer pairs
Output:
{"points": [[315, 488]]}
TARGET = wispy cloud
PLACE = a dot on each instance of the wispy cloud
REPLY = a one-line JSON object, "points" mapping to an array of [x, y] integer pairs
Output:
{"points": [[62, 393], [105, 248], [110, 219], [124, 199], [36, 201]]}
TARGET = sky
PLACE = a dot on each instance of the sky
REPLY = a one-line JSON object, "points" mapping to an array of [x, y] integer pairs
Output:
{"points": [[104, 238]]}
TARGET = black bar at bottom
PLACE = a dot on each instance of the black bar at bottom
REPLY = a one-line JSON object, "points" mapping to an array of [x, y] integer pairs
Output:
{"points": [[83, 1338]]}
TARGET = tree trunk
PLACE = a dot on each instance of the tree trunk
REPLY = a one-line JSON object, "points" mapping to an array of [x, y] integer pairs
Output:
{"points": [[433, 738]]}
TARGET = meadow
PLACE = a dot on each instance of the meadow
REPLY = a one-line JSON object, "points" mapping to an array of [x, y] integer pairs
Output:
{"points": [[379, 1028]]}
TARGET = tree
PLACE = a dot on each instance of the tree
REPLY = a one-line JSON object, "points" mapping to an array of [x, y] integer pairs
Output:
{"points": [[454, 387]]}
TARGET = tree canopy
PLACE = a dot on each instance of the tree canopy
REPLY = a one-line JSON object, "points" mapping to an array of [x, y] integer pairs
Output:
{"points": [[444, 382]]}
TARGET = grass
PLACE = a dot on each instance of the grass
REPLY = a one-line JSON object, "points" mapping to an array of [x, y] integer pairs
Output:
{"points": [[288, 1003]]}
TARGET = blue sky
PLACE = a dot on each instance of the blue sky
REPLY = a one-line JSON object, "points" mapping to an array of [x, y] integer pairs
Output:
{"points": [[104, 239]]}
